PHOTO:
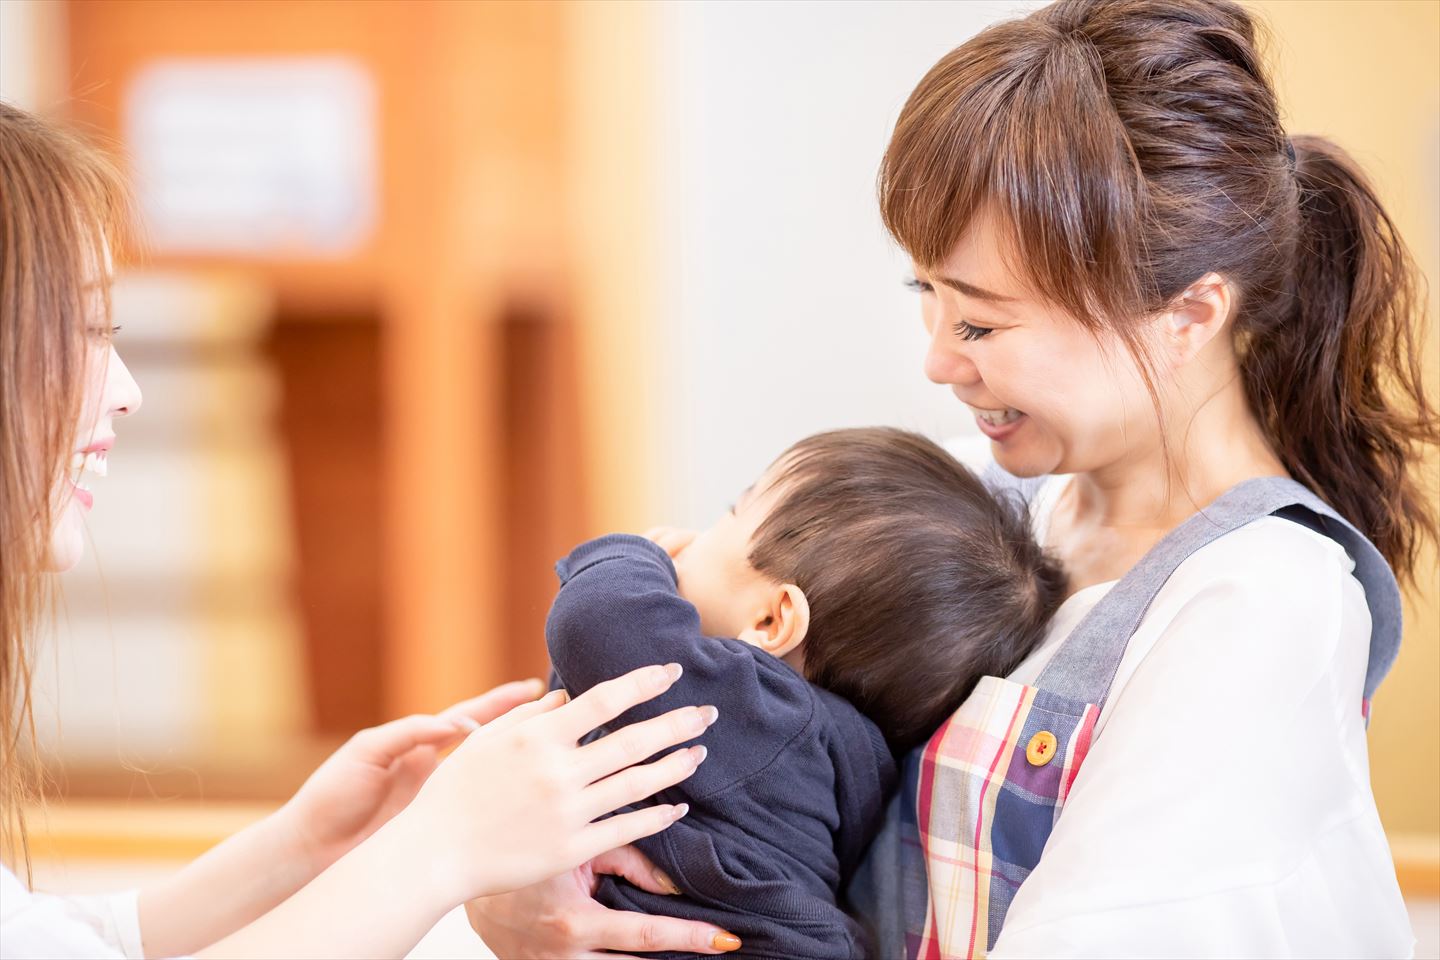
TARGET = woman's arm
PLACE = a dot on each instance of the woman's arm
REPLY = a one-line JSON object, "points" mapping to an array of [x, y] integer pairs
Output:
{"points": [[366, 782], [518, 801]]}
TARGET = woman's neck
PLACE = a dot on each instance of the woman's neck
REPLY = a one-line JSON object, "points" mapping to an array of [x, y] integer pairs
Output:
{"points": [[1214, 444]]}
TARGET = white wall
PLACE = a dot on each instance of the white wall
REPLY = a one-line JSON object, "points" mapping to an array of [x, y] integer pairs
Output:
{"points": [[784, 309]]}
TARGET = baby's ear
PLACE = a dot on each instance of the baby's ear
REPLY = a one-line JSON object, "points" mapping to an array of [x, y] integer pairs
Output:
{"points": [[780, 628]]}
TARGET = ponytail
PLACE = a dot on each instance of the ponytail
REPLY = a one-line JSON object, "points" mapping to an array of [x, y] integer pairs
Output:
{"points": [[1337, 383]]}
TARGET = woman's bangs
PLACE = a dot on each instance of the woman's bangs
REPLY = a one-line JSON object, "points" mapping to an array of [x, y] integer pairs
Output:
{"points": [[1024, 132]]}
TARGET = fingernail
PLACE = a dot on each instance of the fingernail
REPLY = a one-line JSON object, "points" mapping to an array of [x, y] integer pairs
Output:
{"points": [[698, 753], [538, 686], [709, 714], [726, 941], [559, 695], [463, 722], [679, 810], [673, 671], [662, 878]]}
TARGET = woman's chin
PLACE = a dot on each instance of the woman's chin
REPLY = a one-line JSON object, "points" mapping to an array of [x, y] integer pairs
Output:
{"points": [[1025, 460], [67, 542]]}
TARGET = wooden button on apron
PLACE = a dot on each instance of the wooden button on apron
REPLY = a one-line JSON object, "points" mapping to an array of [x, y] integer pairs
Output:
{"points": [[1041, 748]]}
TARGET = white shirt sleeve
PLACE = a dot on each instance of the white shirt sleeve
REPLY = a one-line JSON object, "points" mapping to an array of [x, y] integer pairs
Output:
{"points": [[37, 926], [1225, 807]]}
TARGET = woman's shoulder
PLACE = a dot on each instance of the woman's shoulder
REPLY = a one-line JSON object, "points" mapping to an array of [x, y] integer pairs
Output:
{"points": [[1272, 605], [1271, 555]]}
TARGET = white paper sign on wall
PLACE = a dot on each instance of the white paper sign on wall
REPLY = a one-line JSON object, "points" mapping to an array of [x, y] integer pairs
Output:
{"points": [[254, 157]]}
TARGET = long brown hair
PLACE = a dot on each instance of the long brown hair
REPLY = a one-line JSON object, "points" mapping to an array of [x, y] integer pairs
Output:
{"points": [[1132, 146], [60, 203]]}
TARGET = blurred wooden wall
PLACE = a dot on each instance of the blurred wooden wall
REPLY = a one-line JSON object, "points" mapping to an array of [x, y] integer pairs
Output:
{"points": [[445, 398]]}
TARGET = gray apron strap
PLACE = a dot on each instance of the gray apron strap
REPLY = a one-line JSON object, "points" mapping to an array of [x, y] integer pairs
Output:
{"points": [[1085, 665]]}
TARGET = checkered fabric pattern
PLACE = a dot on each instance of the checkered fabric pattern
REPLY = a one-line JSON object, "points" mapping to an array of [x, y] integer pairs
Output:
{"points": [[983, 810]]}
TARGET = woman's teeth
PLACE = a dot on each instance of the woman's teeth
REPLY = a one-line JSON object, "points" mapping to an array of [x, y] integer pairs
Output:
{"points": [[82, 463], [997, 418]]}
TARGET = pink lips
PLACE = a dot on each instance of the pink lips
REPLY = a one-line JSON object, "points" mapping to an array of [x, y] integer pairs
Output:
{"points": [[86, 498]]}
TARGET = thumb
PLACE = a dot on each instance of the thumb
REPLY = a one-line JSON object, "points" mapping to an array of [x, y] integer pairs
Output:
{"points": [[630, 863]]}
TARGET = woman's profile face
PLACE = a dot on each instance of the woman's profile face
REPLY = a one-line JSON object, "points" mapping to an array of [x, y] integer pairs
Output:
{"points": [[110, 392], [1052, 396]]}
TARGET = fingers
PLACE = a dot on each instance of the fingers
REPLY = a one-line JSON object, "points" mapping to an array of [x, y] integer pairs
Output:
{"points": [[392, 740], [606, 701], [383, 744], [630, 863], [551, 701], [486, 707], [639, 741], [637, 783], [625, 828], [641, 933]]}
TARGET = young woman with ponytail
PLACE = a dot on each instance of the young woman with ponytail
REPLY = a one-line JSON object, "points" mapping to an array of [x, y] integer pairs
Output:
{"points": [[1192, 340]]}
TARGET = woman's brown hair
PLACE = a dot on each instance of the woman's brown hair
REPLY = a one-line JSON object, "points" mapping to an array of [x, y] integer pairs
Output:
{"points": [[1132, 146], [60, 204]]}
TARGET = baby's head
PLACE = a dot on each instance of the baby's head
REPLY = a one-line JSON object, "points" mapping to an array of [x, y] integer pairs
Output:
{"points": [[882, 570]]}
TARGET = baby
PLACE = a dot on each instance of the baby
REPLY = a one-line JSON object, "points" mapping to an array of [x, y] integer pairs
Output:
{"points": [[836, 615]]}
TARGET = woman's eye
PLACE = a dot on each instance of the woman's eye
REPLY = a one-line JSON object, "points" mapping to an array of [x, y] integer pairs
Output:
{"points": [[968, 331], [918, 285]]}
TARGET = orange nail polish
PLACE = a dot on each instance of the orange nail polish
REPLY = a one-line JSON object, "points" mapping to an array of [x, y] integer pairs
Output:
{"points": [[662, 878], [726, 941]]}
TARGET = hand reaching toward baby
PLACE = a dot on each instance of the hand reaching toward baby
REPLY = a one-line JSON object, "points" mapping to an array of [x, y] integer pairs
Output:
{"points": [[378, 771]]}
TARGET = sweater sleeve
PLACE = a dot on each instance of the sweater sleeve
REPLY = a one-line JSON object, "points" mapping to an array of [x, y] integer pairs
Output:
{"points": [[619, 608]]}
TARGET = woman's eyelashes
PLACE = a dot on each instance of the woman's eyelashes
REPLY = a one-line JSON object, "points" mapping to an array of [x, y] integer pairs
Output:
{"points": [[963, 329], [969, 331]]}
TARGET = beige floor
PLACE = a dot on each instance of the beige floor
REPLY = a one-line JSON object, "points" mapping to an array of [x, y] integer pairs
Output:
{"points": [[452, 937]]}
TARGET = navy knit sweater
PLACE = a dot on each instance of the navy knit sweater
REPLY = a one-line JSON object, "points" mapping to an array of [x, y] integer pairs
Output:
{"points": [[795, 782]]}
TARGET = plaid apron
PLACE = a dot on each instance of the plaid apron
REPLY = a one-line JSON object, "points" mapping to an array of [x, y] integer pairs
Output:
{"points": [[979, 800]]}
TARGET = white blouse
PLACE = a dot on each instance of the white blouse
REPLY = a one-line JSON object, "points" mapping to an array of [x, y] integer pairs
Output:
{"points": [[1225, 807], [37, 926]]}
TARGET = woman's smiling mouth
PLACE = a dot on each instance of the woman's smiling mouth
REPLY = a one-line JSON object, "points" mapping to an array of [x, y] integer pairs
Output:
{"points": [[997, 424]]}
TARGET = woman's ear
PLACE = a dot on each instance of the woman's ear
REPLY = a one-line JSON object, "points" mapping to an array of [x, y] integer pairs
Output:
{"points": [[1197, 317], [780, 628]]}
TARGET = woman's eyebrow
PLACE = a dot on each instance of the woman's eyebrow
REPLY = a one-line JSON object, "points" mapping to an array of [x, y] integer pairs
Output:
{"points": [[970, 290]]}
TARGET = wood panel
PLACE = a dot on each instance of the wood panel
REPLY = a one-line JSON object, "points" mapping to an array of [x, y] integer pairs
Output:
{"points": [[471, 160]]}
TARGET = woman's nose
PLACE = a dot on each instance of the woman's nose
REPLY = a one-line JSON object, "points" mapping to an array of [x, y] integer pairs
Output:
{"points": [[945, 361], [122, 393]]}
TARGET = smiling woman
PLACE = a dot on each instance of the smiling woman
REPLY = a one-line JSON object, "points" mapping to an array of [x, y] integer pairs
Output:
{"points": [[61, 206]]}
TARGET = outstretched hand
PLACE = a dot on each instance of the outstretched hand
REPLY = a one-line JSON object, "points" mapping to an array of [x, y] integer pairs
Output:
{"points": [[379, 771]]}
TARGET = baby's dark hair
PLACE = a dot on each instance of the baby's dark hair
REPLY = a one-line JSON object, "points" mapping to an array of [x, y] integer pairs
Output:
{"points": [[919, 580]]}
